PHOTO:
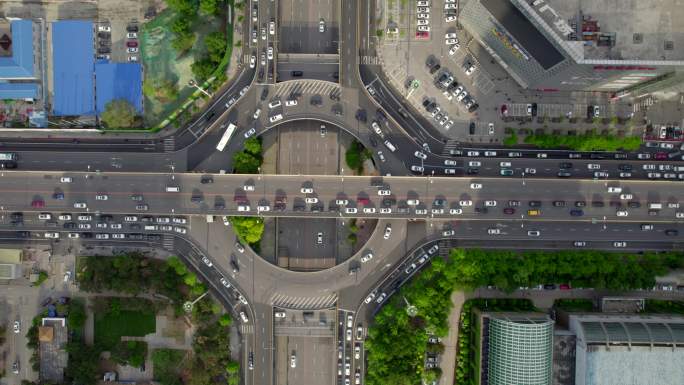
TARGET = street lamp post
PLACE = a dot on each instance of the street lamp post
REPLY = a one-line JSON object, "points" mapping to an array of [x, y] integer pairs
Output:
{"points": [[193, 83]]}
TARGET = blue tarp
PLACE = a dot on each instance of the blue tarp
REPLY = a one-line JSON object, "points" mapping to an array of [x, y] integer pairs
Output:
{"points": [[72, 68], [20, 64], [118, 81], [18, 91]]}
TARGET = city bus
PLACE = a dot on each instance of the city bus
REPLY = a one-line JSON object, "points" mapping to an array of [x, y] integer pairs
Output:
{"points": [[5, 156], [226, 137]]}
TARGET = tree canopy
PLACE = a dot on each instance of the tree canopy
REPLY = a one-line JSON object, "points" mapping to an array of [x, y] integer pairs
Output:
{"points": [[248, 229], [119, 113]]}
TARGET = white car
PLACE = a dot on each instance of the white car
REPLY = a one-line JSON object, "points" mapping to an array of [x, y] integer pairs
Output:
{"points": [[73, 235], [207, 262], [224, 282], [490, 203], [131, 219], [369, 298], [311, 200], [257, 112], [420, 155], [621, 213], [271, 28], [101, 236], [65, 217], [462, 95], [263, 208], [416, 168], [453, 49], [132, 50], [52, 235], [250, 132], [455, 211], [44, 216], [80, 205], [252, 61], [388, 231], [180, 230], [84, 218], [262, 59], [450, 35], [593, 166], [465, 203], [470, 69], [367, 257], [423, 9], [504, 164], [448, 233], [626, 196], [321, 25], [385, 210], [17, 327], [620, 244], [293, 361], [423, 16], [476, 186], [422, 23], [104, 28], [451, 41], [450, 18], [383, 192], [450, 6], [494, 231], [369, 210], [101, 197], [275, 118], [118, 236], [269, 53], [65, 179], [290, 103], [351, 210]]}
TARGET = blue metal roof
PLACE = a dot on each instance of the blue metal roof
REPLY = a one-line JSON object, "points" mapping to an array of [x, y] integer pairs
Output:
{"points": [[118, 81], [20, 64], [72, 69], [18, 91]]}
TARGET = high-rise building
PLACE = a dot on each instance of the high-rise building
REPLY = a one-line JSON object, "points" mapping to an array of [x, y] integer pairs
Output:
{"points": [[582, 45]]}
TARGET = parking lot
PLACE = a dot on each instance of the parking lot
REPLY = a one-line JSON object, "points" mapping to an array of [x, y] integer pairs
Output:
{"points": [[308, 27], [419, 63]]}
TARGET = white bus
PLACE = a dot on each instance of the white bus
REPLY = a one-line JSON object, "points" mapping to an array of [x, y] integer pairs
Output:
{"points": [[8, 156], [226, 137]]}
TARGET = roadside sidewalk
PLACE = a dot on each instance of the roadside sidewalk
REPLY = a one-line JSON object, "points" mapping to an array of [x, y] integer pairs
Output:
{"points": [[448, 359]]}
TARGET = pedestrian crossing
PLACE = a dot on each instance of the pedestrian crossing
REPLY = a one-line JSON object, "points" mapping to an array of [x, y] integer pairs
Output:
{"points": [[370, 60], [644, 103], [168, 242], [450, 145], [304, 303], [170, 144], [247, 329], [310, 87]]}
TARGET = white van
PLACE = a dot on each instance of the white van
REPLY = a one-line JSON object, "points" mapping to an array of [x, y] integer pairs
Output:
{"points": [[151, 227], [389, 145], [172, 189], [655, 206]]}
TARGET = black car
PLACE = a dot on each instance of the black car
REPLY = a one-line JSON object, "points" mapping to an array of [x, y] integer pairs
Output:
{"points": [[132, 28], [472, 171], [671, 232], [471, 128], [558, 203], [136, 237], [597, 204], [616, 204], [625, 167], [135, 226], [87, 235], [373, 142], [196, 199], [207, 180], [549, 286], [633, 204], [234, 265], [564, 174], [534, 109], [153, 237], [565, 165], [219, 205], [17, 216], [104, 50], [361, 115], [426, 102], [336, 75], [264, 94], [473, 107], [70, 225], [576, 213], [23, 234], [435, 68], [481, 210], [210, 115]]}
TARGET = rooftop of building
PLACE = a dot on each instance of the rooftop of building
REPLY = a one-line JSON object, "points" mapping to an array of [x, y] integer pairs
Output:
{"points": [[623, 329], [619, 30], [16, 49], [635, 365]]}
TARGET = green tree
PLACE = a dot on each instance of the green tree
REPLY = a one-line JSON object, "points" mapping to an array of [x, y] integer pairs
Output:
{"points": [[253, 146], [202, 69], [225, 320], [233, 367], [77, 315], [210, 7], [246, 163], [216, 46], [119, 113], [183, 43], [248, 229], [82, 365]]}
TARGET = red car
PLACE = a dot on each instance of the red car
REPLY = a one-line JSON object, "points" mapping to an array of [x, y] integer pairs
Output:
{"points": [[422, 35], [131, 44], [564, 286], [509, 211], [661, 155], [38, 203], [363, 200]]}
